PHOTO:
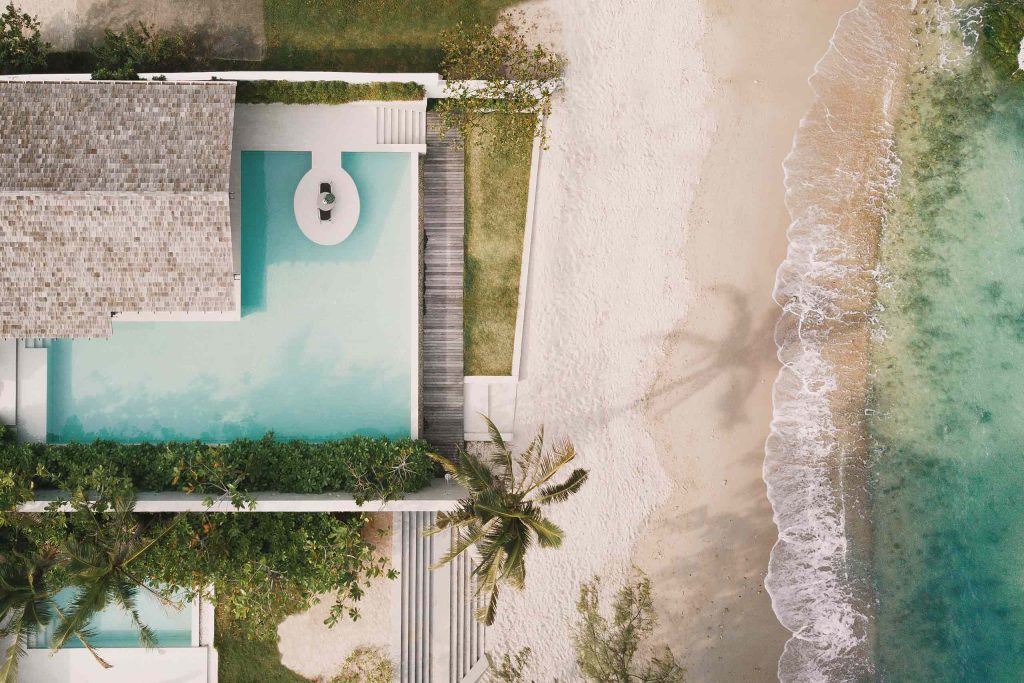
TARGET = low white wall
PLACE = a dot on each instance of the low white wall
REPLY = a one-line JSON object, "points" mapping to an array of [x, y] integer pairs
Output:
{"points": [[130, 665], [441, 495]]}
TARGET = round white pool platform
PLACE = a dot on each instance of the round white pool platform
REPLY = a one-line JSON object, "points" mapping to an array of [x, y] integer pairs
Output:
{"points": [[344, 213]]}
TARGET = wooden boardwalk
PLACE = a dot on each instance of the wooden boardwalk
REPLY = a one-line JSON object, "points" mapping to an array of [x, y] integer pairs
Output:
{"points": [[443, 263]]}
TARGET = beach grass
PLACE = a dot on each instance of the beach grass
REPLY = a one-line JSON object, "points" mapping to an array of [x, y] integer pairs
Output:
{"points": [[243, 660], [497, 185], [366, 35]]}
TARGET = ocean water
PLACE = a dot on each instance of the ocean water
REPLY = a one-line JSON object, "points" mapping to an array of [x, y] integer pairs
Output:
{"points": [[113, 627], [323, 349], [895, 464], [947, 386]]}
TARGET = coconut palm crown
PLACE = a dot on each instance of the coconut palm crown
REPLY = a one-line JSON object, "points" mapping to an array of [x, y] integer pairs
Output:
{"points": [[503, 513]]}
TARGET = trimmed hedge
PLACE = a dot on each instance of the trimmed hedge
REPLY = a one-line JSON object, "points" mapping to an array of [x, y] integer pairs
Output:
{"points": [[369, 468], [323, 92]]}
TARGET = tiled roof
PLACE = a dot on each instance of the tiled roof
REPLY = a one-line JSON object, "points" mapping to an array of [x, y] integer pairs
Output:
{"points": [[113, 198]]}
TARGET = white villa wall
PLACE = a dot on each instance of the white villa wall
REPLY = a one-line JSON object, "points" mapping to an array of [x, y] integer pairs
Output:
{"points": [[8, 382], [31, 394], [130, 665]]}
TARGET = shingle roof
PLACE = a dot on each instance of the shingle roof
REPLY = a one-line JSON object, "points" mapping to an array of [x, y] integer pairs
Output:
{"points": [[113, 197]]}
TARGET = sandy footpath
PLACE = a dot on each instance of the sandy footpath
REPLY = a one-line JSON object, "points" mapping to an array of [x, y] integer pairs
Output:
{"points": [[649, 317], [709, 411]]}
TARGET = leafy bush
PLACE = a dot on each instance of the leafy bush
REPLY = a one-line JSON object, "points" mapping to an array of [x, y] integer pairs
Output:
{"points": [[605, 652], [265, 566], [121, 56], [366, 665], [323, 92], [369, 468], [518, 79], [21, 48], [509, 668]]}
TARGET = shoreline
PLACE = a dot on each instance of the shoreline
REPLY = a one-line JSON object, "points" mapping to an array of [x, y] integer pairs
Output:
{"points": [[707, 548]]}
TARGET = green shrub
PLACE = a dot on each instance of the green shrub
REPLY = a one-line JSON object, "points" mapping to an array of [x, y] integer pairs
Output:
{"points": [[323, 92], [266, 566], [21, 49], [369, 468], [121, 56], [366, 665], [518, 79]]}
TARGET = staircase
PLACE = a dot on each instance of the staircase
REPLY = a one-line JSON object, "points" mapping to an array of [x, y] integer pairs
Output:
{"points": [[401, 126], [438, 639]]}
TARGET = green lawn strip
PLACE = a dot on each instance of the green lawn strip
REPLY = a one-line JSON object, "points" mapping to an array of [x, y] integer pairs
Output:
{"points": [[496, 190], [366, 35], [247, 661]]}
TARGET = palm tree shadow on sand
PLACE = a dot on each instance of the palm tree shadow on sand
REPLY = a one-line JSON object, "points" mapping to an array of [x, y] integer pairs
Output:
{"points": [[735, 360]]}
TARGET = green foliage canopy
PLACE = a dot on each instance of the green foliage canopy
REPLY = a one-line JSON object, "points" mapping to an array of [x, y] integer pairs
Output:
{"points": [[22, 50], [516, 77], [369, 468], [120, 56]]}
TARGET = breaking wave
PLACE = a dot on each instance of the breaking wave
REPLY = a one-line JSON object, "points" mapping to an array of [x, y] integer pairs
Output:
{"points": [[838, 175]]}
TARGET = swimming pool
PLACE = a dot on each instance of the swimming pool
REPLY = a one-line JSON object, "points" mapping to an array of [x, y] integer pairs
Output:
{"points": [[325, 347], [113, 626]]}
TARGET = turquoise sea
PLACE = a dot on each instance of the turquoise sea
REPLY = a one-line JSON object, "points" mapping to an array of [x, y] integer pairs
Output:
{"points": [[896, 461], [948, 386]]}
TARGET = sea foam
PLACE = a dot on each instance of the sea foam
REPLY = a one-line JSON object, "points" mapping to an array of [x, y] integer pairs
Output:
{"points": [[838, 175]]}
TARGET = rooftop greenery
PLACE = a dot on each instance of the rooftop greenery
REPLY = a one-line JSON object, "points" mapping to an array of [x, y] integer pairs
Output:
{"points": [[323, 92], [369, 468]]}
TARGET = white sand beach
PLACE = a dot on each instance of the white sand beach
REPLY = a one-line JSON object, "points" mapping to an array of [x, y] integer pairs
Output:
{"points": [[648, 340]]}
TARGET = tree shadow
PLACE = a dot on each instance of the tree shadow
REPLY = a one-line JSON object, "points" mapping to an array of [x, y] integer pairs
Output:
{"points": [[223, 29], [739, 358], [713, 609]]}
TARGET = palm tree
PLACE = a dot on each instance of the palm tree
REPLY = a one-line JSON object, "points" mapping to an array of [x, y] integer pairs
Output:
{"points": [[99, 562], [27, 606], [503, 513]]}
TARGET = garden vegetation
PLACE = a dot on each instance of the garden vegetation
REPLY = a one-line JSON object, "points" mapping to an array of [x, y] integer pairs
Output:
{"points": [[511, 78], [369, 468], [261, 567], [122, 55], [323, 92], [22, 50]]}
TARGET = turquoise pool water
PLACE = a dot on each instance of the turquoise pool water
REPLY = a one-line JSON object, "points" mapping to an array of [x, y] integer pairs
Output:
{"points": [[113, 626], [323, 349]]}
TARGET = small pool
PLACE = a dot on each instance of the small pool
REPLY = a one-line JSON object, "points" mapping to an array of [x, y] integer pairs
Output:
{"points": [[113, 626], [324, 349]]}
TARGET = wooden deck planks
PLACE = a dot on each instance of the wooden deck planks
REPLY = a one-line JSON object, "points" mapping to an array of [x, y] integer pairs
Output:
{"points": [[443, 264]]}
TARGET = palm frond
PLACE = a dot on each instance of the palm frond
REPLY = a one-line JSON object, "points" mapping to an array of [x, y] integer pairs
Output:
{"points": [[462, 539], [501, 455], [514, 568], [548, 466], [15, 651], [444, 462], [559, 493], [473, 474], [90, 599], [528, 458], [462, 515], [549, 534]]}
